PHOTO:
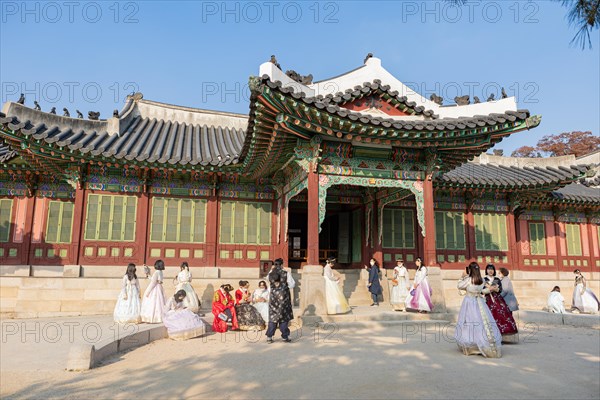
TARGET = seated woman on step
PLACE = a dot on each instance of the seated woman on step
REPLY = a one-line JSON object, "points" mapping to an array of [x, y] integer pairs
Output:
{"points": [[249, 319], [223, 308], [181, 322]]}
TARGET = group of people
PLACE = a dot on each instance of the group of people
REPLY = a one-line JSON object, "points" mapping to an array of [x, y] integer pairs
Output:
{"points": [[179, 313], [269, 307], [584, 299], [485, 318], [403, 295]]}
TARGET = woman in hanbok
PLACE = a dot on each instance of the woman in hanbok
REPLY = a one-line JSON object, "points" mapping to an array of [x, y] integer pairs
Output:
{"points": [[249, 319], [476, 331], [334, 296], [184, 279], [556, 301], [260, 300], [182, 323], [153, 302], [223, 308], [498, 307], [584, 300], [419, 297], [374, 285], [127, 309], [508, 293], [400, 284]]}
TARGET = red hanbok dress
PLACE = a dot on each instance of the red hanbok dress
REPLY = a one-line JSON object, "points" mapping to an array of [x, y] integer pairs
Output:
{"points": [[223, 301], [500, 310]]}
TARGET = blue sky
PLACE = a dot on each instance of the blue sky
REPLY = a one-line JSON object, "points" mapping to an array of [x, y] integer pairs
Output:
{"points": [[90, 55]]}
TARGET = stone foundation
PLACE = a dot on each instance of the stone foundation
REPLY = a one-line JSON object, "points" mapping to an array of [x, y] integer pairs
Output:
{"points": [[23, 296]]}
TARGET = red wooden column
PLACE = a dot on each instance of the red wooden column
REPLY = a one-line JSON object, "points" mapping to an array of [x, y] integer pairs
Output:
{"points": [[27, 229], [78, 217], [212, 229], [513, 250], [283, 244], [142, 234], [377, 245], [429, 251], [312, 252]]}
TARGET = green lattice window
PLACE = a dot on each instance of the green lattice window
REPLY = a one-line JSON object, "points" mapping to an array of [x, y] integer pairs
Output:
{"points": [[537, 239], [449, 230], [398, 229], [110, 218], [490, 232], [245, 223], [60, 222], [573, 236], [178, 220], [5, 221]]}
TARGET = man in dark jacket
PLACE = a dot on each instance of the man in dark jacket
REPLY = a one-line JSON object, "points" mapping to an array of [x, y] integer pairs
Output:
{"points": [[280, 307]]}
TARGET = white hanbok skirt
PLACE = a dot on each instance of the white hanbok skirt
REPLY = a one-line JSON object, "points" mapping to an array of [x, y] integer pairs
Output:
{"points": [[153, 306], [183, 324], [585, 300], [398, 293], [127, 311], [476, 331], [336, 301], [263, 310]]}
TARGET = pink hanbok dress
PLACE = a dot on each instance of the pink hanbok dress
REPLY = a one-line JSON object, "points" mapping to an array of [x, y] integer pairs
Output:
{"points": [[419, 298]]}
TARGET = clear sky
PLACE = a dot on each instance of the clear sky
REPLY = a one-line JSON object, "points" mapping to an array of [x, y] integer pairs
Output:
{"points": [[89, 55]]}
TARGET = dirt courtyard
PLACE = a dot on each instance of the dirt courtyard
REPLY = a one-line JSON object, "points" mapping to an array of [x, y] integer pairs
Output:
{"points": [[395, 362]]}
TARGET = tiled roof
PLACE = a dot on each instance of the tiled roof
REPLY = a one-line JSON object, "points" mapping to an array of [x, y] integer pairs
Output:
{"points": [[144, 131], [368, 88], [477, 121], [6, 153], [578, 193], [511, 177]]}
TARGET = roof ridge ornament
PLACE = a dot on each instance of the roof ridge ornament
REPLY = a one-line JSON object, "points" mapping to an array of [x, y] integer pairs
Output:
{"points": [[135, 96]]}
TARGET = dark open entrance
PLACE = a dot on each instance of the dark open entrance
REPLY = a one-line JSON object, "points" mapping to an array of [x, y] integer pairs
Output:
{"points": [[341, 233]]}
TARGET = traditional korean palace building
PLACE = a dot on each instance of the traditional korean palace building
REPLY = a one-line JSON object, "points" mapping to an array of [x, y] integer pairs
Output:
{"points": [[353, 167]]}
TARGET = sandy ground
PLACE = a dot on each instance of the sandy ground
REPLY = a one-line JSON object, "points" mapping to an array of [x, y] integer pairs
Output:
{"points": [[397, 362]]}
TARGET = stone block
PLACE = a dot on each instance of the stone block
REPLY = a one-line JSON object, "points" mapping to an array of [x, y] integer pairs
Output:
{"points": [[8, 304], [239, 273], [8, 292], [106, 271], [134, 340], [8, 281], [157, 333], [14, 270], [88, 307], [104, 351], [51, 294], [206, 272], [42, 283], [92, 283], [47, 271], [312, 296], [582, 320], [71, 271], [81, 357], [101, 294], [35, 306]]}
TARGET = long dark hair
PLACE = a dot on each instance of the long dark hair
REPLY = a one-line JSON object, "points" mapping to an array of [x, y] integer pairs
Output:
{"points": [[475, 273], [180, 293], [421, 260], [159, 265], [184, 265], [131, 272]]}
